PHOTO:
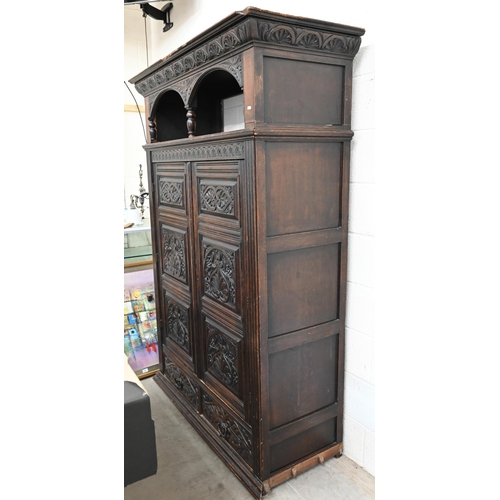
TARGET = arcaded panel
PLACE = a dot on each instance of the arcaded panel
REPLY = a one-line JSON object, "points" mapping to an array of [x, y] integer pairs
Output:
{"points": [[302, 380], [303, 92], [302, 288], [303, 186]]}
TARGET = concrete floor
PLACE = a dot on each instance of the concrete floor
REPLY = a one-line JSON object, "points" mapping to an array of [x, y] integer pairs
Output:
{"points": [[189, 470]]}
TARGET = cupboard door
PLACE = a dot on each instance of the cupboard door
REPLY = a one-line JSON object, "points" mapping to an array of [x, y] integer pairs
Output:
{"points": [[174, 241], [217, 232]]}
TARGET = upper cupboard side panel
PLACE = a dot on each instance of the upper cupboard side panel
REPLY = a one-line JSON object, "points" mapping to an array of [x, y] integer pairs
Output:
{"points": [[303, 92]]}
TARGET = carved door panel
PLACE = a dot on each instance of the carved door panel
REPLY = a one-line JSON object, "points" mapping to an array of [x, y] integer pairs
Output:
{"points": [[218, 236], [174, 243]]}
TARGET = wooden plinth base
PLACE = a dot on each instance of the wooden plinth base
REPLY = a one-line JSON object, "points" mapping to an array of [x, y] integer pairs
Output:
{"points": [[292, 472]]}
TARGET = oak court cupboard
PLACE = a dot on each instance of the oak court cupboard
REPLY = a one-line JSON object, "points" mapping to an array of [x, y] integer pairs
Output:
{"points": [[248, 163]]}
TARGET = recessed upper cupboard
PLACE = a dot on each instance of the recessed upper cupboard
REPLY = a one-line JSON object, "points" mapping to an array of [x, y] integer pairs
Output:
{"points": [[248, 162]]}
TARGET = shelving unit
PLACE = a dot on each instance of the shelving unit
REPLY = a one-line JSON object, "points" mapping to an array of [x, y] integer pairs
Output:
{"points": [[137, 245]]}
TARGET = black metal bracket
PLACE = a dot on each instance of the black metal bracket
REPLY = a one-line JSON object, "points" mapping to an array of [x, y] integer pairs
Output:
{"points": [[162, 14]]}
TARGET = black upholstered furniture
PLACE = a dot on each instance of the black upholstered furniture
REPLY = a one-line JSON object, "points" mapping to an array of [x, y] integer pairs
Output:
{"points": [[139, 434]]}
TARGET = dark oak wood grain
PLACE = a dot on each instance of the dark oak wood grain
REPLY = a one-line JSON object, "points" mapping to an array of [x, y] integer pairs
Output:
{"points": [[249, 235]]}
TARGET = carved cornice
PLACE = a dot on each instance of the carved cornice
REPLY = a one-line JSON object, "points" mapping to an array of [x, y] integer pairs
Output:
{"points": [[229, 150], [286, 34], [335, 41], [214, 49]]}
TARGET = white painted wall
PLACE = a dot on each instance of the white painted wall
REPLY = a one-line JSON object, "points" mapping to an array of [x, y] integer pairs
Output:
{"points": [[190, 18], [136, 58], [359, 419]]}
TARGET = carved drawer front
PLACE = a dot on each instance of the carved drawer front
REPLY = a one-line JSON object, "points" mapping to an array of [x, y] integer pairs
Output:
{"points": [[221, 275], [228, 427], [174, 261], [184, 385]]}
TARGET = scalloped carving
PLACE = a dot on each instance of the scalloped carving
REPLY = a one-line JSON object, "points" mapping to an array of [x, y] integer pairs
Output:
{"points": [[272, 32], [308, 39], [210, 51]]}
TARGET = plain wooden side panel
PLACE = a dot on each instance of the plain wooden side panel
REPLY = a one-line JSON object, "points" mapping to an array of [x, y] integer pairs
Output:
{"points": [[303, 186], [302, 288], [294, 448], [302, 380], [289, 99]]}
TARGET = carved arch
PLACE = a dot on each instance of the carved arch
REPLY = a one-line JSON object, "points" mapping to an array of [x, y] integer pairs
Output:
{"points": [[183, 98], [232, 67], [154, 99], [167, 117], [187, 87]]}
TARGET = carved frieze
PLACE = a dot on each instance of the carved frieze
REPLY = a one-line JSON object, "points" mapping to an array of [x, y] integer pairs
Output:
{"points": [[223, 151], [222, 46], [222, 357], [177, 324], [183, 384], [211, 51], [174, 255], [219, 270], [286, 34], [228, 428]]}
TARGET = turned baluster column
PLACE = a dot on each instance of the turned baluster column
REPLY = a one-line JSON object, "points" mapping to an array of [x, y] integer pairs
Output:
{"points": [[152, 129], [191, 121]]}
